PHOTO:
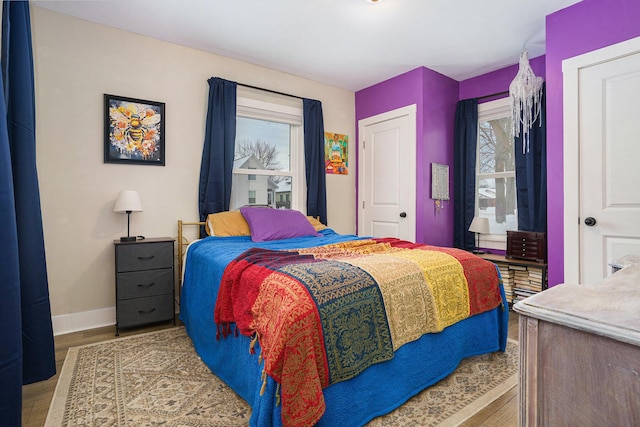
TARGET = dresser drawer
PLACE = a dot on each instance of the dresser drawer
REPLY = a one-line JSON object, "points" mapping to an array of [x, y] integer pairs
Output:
{"points": [[140, 311], [139, 284], [147, 256], [524, 244]]}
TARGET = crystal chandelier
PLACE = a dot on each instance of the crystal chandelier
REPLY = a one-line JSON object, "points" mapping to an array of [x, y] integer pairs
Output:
{"points": [[525, 94]]}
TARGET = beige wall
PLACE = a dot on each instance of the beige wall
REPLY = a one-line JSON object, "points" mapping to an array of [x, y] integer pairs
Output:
{"points": [[76, 62]]}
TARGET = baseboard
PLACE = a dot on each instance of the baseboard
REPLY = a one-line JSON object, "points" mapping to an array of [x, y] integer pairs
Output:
{"points": [[85, 320], [74, 322]]}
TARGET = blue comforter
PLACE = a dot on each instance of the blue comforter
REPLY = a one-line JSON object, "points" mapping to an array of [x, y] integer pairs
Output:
{"points": [[378, 390]]}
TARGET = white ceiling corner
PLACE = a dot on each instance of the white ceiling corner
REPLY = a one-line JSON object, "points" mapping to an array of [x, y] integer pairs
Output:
{"points": [[350, 44]]}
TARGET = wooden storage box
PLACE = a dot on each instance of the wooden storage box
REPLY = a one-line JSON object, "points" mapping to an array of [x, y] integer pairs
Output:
{"points": [[527, 245]]}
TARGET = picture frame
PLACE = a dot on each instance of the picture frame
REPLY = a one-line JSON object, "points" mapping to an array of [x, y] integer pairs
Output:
{"points": [[336, 153], [134, 131]]}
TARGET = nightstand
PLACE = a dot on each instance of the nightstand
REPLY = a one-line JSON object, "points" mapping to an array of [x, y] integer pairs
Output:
{"points": [[144, 282]]}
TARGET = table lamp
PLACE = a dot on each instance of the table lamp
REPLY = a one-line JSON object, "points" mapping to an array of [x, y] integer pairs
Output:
{"points": [[128, 201], [479, 225]]}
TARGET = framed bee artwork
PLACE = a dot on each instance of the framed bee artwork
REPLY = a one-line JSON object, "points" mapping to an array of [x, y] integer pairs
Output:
{"points": [[133, 131]]}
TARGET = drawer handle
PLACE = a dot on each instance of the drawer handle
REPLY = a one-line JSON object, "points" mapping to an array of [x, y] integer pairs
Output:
{"points": [[146, 311], [148, 285], [146, 258]]}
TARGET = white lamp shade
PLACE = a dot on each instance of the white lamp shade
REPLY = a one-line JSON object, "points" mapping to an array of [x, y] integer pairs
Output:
{"points": [[128, 201], [479, 225]]}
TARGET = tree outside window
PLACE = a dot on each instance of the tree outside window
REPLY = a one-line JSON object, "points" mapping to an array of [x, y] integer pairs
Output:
{"points": [[495, 173], [269, 152]]}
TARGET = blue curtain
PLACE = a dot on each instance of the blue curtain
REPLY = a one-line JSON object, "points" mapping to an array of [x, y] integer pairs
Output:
{"points": [[27, 352], [219, 145], [464, 172], [314, 159], [10, 312], [531, 175]]}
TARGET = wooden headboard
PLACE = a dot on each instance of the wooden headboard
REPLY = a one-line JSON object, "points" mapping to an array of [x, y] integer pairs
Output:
{"points": [[183, 242]]}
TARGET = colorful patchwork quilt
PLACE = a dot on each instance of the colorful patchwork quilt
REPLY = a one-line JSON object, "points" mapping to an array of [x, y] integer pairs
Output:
{"points": [[324, 314]]}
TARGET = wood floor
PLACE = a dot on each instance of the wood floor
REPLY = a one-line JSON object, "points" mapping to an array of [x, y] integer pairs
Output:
{"points": [[504, 411], [37, 397]]}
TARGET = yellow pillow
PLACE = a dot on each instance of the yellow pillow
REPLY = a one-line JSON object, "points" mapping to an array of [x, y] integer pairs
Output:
{"points": [[230, 223], [316, 223]]}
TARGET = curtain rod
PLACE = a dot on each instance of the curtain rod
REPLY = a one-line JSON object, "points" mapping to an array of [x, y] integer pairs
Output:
{"points": [[269, 90], [506, 92]]}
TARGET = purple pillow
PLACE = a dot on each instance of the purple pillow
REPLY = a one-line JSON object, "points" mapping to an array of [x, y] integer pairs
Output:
{"points": [[275, 224]]}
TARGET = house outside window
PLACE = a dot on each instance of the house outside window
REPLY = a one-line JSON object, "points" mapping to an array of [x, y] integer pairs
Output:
{"points": [[269, 154], [283, 195], [495, 173]]}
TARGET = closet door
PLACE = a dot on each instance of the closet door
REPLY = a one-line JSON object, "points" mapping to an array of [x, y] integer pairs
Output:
{"points": [[602, 144], [387, 174]]}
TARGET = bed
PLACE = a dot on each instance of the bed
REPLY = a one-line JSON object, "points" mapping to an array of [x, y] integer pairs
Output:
{"points": [[325, 330]]}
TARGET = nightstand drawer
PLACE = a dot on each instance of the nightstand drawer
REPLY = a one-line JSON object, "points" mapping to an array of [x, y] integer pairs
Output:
{"points": [[139, 284], [145, 256], [139, 311]]}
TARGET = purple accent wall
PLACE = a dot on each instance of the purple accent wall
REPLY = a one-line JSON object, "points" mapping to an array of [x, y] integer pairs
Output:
{"points": [[435, 96], [497, 81], [440, 97], [578, 29]]}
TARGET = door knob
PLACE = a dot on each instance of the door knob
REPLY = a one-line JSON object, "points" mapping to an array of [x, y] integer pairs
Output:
{"points": [[589, 221], [403, 214]]}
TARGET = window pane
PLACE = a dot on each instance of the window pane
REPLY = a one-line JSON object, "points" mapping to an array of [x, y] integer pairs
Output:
{"points": [[495, 140], [271, 190], [497, 201], [265, 143], [283, 194]]}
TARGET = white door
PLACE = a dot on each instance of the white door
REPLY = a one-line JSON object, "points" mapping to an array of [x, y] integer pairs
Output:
{"points": [[608, 161], [387, 174]]}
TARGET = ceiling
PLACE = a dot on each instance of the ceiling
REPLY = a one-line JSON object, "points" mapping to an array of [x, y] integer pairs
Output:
{"points": [[350, 44]]}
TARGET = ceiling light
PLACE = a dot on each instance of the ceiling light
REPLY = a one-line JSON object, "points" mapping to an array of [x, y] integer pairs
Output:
{"points": [[525, 93]]}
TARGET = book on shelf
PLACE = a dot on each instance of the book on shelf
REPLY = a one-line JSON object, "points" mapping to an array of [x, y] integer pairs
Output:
{"points": [[519, 281], [522, 293]]}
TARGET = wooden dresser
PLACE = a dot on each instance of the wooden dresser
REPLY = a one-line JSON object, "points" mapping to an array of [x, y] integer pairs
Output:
{"points": [[580, 354]]}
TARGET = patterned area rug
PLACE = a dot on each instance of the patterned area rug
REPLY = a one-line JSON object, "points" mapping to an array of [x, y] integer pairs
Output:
{"points": [[158, 379]]}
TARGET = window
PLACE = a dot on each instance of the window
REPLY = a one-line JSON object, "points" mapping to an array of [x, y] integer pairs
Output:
{"points": [[269, 153], [495, 172]]}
